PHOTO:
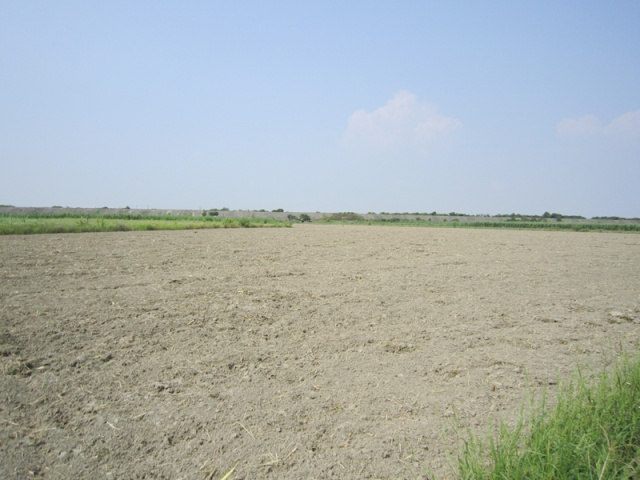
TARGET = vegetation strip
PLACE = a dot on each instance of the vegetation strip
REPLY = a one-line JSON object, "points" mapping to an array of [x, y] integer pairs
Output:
{"points": [[355, 219], [593, 432], [73, 222], [33, 223]]}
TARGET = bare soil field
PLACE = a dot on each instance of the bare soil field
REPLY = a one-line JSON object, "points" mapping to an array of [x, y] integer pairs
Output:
{"points": [[310, 352]]}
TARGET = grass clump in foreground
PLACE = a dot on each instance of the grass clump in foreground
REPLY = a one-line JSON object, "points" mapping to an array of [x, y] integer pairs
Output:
{"points": [[593, 433], [21, 224]]}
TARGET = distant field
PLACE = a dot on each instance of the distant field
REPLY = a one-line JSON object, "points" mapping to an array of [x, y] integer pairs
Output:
{"points": [[505, 224]]}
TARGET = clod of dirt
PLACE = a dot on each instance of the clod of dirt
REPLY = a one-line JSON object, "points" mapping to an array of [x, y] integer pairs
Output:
{"points": [[617, 317]]}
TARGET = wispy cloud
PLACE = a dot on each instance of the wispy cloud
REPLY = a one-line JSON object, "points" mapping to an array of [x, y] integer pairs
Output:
{"points": [[403, 122], [627, 125], [624, 126]]}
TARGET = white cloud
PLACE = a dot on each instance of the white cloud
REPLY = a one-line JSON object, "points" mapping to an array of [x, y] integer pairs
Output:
{"points": [[402, 122], [625, 126]]}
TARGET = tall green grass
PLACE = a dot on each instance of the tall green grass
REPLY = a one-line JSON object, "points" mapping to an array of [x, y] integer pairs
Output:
{"points": [[12, 224], [592, 433]]}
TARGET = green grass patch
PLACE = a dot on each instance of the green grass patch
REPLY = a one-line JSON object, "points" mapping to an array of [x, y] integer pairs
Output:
{"points": [[23, 224], [574, 227], [592, 433], [506, 224]]}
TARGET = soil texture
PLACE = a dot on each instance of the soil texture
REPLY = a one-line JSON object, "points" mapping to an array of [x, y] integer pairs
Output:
{"points": [[325, 352]]}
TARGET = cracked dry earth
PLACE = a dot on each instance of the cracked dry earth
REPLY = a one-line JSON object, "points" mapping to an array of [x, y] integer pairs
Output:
{"points": [[310, 352]]}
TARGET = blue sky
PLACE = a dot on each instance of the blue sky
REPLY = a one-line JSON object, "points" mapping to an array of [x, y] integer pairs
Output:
{"points": [[474, 107]]}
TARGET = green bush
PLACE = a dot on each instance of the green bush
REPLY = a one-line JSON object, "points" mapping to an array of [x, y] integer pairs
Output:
{"points": [[344, 216]]}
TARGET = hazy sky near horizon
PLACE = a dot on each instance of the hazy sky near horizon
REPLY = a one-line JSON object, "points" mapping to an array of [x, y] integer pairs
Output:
{"points": [[474, 107]]}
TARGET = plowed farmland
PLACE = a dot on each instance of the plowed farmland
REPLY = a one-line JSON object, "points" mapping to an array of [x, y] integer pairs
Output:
{"points": [[310, 352]]}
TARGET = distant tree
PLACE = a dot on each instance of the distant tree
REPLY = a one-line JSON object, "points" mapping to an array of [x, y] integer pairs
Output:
{"points": [[305, 218]]}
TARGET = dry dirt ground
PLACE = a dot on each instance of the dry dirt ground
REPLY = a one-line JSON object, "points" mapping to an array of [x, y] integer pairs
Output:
{"points": [[311, 352]]}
